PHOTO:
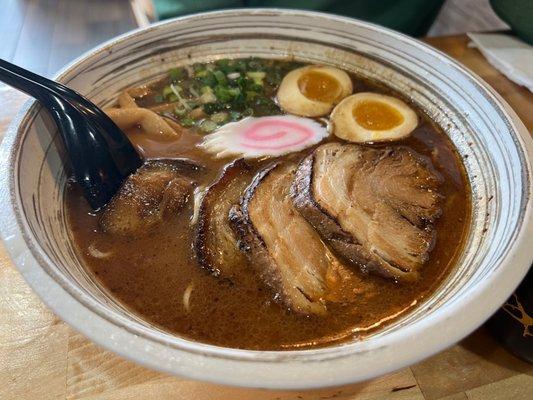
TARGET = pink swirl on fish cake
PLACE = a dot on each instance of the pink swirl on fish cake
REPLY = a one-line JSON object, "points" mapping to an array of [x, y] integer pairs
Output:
{"points": [[274, 130]]}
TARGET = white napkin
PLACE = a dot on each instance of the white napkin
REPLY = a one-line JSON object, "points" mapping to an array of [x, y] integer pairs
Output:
{"points": [[510, 55]]}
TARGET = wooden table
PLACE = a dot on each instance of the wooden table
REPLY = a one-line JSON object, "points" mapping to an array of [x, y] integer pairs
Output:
{"points": [[43, 358]]}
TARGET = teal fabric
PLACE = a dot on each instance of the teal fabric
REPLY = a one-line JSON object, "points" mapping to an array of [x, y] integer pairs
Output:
{"points": [[413, 17], [174, 8], [518, 14]]}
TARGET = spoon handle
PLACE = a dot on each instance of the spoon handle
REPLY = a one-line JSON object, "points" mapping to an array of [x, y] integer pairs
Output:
{"points": [[25, 81], [100, 153], [38, 86], [42, 88]]}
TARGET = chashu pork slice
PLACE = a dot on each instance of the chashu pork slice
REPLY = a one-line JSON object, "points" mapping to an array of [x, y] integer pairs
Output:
{"points": [[154, 191], [215, 244], [288, 253], [373, 206]]}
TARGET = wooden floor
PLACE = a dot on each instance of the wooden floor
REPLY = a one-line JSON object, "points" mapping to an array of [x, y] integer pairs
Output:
{"points": [[44, 35]]}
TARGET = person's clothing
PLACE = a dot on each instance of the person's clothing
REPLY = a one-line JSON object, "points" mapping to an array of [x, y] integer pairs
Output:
{"points": [[413, 17], [518, 14]]}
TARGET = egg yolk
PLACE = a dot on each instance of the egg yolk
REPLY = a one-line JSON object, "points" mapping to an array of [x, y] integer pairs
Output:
{"points": [[376, 115], [318, 86]]}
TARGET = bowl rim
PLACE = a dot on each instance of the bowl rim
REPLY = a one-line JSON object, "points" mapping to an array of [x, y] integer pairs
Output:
{"points": [[102, 331]]}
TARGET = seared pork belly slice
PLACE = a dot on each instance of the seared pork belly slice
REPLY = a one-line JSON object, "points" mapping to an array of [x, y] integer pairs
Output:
{"points": [[289, 255], [373, 206], [155, 189], [215, 244]]}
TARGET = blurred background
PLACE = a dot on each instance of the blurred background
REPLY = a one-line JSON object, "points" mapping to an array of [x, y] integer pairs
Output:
{"points": [[44, 35]]}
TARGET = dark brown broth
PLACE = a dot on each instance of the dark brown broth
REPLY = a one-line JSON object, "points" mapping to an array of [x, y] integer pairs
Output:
{"points": [[150, 274]]}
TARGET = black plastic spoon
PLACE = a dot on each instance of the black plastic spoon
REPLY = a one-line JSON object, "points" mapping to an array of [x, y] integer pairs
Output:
{"points": [[100, 153]]}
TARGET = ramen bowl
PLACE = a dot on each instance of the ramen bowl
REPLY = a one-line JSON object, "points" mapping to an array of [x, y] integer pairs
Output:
{"points": [[495, 148]]}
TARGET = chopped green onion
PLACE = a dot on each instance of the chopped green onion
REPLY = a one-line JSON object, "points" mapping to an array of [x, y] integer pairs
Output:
{"points": [[223, 94], [207, 95], [208, 126], [226, 66], [180, 112], [241, 82], [220, 117], [207, 79], [208, 98], [250, 95], [193, 92], [177, 90], [256, 76], [201, 74], [221, 77], [193, 104], [241, 66], [187, 122], [234, 91], [224, 90], [169, 94], [256, 88], [167, 91]]}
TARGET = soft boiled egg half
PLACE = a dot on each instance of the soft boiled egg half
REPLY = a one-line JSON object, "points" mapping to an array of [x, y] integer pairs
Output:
{"points": [[313, 91], [372, 117]]}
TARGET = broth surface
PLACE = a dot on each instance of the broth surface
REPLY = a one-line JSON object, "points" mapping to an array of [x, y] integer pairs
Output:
{"points": [[153, 274]]}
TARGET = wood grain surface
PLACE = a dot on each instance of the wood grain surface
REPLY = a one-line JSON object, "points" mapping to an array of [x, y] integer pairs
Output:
{"points": [[43, 358]]}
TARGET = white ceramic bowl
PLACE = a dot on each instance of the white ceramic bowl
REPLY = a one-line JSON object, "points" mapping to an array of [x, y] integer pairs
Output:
{"points": [[495, 147]]}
